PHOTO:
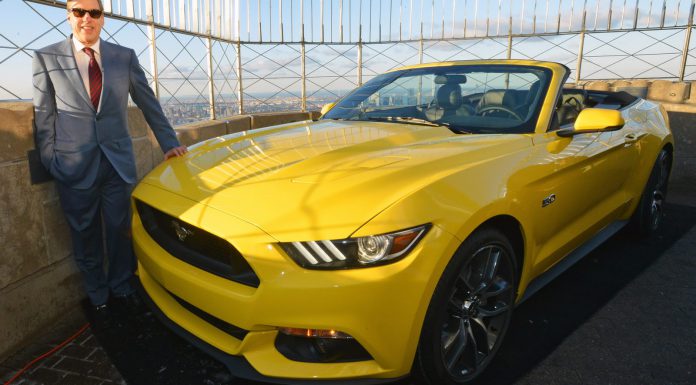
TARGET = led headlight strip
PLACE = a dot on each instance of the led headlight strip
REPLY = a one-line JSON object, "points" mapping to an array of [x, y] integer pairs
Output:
{"points": [[355, 252], [327, 254]]}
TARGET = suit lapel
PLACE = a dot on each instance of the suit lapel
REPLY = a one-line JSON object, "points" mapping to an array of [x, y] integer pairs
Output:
{"points": [[68, 64]]}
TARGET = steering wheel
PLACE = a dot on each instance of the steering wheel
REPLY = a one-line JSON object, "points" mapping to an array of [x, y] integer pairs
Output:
{"points": [[489, 110]]}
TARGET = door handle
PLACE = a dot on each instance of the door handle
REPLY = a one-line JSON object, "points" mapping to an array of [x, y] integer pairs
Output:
{"points": [[633, 137]]}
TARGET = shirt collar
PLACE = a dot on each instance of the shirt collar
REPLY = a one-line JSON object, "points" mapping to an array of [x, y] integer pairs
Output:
{"points": [[79, 46]]}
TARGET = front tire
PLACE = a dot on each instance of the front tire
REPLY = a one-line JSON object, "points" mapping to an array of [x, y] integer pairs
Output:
{"points": [[470, 311]]}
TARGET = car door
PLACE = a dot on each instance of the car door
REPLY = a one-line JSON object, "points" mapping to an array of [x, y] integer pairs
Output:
{"points": [[581, 190]]}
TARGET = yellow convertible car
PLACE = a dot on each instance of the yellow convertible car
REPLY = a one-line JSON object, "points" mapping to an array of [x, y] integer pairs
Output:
{"points": [[394, 236]]}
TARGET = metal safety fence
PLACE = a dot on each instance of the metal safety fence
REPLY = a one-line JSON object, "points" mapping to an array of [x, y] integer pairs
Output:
{"points": [[215, 58]]}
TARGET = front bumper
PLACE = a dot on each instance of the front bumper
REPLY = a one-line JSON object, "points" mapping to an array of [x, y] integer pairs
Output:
{"points": [[381, 307], [237, 365]]}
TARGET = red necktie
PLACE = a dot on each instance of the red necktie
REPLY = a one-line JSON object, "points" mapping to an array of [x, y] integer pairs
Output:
{"points": [[95, 78]]}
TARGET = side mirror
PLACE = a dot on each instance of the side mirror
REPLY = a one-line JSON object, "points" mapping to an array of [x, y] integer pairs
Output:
{"points": [[327, 107], [594, 120]]}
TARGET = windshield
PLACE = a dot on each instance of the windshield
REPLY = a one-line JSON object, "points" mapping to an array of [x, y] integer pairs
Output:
{"points": [[464, 98]]}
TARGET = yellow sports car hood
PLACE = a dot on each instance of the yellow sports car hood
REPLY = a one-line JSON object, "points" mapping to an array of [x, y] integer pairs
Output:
{"points": [[322, 180]]}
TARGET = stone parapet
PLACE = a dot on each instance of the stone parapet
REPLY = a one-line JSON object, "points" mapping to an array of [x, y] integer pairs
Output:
{"points": [[38, 278], [238, 123], [275, 118], [659, 90], [15, 138], [38, 281], [196, 132]]}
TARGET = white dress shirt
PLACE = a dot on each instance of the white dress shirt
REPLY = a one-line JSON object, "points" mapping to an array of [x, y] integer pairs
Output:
{"points": [[82, 60]]}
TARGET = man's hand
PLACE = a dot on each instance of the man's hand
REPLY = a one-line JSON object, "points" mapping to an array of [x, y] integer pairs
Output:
{"points": [[176, 151]]}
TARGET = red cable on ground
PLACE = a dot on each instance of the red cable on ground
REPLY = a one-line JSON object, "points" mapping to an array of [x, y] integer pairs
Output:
{"points": [[48, 353]]}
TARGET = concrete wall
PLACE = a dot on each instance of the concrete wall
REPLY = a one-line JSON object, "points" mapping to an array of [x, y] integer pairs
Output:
{"points": [[38, 278]]}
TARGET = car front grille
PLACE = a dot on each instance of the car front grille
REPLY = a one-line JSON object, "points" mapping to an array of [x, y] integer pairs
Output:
{"points": [[196, 246]]}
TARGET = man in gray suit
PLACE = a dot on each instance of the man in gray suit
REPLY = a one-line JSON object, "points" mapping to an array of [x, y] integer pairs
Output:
{"points": [[81, 88]]}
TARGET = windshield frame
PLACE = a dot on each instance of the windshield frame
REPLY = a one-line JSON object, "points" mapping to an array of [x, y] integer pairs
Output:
{"points": [[347, 106]]}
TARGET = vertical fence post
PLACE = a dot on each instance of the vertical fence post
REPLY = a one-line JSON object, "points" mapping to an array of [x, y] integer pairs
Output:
{"points": [[509, 52], [303, 70], [240, 90], [209, 47], [687, 43], [578, 73], [182, 14], [609, 16], [152, 33], [195, 22], [420, 45], [130, 9], [258, 13], [211, 80], [509, 47], [167, 14], [360, 60], [321, 18]]}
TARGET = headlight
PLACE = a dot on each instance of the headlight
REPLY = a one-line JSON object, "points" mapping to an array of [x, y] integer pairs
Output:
{"points": [[355, 252]]}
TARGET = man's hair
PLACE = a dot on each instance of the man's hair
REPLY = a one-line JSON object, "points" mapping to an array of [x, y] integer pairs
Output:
{"points": [[67, 4]]}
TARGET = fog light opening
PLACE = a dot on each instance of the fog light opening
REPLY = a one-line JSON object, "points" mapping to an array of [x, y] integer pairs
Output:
{"points": [[319, 345], [315, 333]]}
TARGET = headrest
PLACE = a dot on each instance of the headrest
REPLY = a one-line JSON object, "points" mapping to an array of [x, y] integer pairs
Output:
{"points": [[449, 96]]}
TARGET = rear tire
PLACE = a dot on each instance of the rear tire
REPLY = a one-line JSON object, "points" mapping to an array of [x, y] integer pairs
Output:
{"points": [[647, 218], [470, 311]]}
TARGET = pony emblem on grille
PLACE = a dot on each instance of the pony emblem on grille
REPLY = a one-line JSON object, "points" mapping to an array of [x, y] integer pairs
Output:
{"points": [[181, 232]]}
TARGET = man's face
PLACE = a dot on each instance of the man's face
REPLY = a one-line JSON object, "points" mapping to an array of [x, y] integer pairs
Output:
{"points": [[86, 28]]}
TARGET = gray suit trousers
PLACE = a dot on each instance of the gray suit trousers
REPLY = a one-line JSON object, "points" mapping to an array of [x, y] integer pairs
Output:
{"points": [[103, 209]]}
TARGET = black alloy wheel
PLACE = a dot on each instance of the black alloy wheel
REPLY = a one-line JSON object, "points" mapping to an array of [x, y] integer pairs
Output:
{"points": [[649, 214], [470, 311]]}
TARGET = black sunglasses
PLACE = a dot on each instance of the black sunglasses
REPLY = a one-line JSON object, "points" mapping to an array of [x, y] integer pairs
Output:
{"points": [[79, 12]]}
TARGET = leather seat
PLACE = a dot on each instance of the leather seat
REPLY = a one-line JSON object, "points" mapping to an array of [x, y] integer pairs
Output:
{"points": [[449, 99], [448, 103], [505, 99]]}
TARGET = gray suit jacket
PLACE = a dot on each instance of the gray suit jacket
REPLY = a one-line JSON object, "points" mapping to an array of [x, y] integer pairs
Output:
{"points": [[70, 133]]}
